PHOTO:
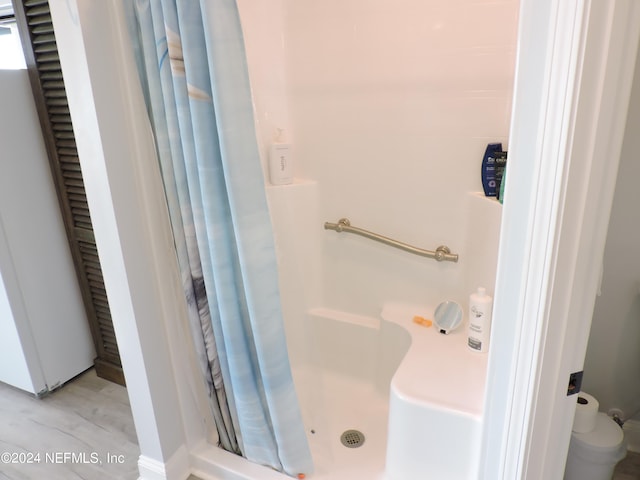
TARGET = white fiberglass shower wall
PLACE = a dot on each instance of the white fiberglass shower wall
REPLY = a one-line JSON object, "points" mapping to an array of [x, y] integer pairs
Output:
{"points": [[388, 106]]}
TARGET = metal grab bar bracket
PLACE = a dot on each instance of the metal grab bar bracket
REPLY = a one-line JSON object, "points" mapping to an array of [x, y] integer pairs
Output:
{"points": [[441, 254]]}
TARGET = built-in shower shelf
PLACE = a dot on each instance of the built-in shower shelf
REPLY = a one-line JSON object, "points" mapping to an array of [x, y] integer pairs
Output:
{"points": [[435, 402], [439, 370]]}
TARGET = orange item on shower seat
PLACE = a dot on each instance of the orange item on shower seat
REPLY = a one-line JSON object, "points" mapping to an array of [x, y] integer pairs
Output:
{"points": [[301, 475], [422, 321]]}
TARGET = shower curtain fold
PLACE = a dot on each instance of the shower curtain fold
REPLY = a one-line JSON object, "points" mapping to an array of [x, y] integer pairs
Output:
{"points": [[194, 74]]}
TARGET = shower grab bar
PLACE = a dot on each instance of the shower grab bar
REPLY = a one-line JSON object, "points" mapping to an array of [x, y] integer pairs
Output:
{"points": [[441, 254]]}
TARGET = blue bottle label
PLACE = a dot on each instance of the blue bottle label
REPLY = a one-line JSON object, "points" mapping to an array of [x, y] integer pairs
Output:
{"points": [[489, 182]]}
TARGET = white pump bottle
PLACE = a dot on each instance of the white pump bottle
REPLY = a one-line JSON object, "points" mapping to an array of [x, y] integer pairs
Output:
{"points": [[480, 309], [280, 161]]}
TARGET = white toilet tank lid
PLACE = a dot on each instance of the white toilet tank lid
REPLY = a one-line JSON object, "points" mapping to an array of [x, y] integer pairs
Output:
{"points": [[606, 434]]}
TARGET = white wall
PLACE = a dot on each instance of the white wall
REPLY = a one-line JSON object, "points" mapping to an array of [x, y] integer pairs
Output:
{"points": [[389, 106], [612, 365]]}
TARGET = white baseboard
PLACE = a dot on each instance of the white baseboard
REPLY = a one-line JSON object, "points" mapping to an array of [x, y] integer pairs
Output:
{"points": [[176, 468], [632, 435], [207, 462]]}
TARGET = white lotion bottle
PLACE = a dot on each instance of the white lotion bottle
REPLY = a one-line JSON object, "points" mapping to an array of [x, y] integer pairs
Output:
{"points": [[480, 309], [280, 161]]}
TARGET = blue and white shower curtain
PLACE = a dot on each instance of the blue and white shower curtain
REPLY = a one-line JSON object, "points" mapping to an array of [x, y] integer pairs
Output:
{"points": [[194, 75]]}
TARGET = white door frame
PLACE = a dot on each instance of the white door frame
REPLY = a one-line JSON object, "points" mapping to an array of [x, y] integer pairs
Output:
{"points": [[575, 69]]}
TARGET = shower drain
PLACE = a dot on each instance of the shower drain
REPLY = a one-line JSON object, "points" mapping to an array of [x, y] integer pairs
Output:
{"points": [[352, 439]]}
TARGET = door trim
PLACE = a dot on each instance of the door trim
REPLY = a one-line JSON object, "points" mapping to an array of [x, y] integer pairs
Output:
{"points": [[575, 70]]}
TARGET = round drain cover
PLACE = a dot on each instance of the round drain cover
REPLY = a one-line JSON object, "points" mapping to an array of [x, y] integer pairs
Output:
{"points": [[352, 439]]}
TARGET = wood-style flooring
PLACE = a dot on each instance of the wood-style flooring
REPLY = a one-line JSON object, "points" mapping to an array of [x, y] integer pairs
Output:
{"points": [[629, 468], [83, 430]]}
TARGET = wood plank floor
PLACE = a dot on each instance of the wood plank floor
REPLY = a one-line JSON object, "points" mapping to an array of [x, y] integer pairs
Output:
{"points": [[84, 430], [629, 468]]}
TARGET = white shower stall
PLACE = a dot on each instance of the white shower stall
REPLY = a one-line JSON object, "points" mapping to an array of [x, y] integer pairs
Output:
{"points": [[389, 108]]}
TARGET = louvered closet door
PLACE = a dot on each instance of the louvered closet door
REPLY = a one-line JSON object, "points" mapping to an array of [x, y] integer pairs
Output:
{"points": [[45, 74]]}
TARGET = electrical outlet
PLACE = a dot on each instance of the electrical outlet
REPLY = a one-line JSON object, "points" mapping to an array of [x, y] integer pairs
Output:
{"points": [[575, 383]]}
